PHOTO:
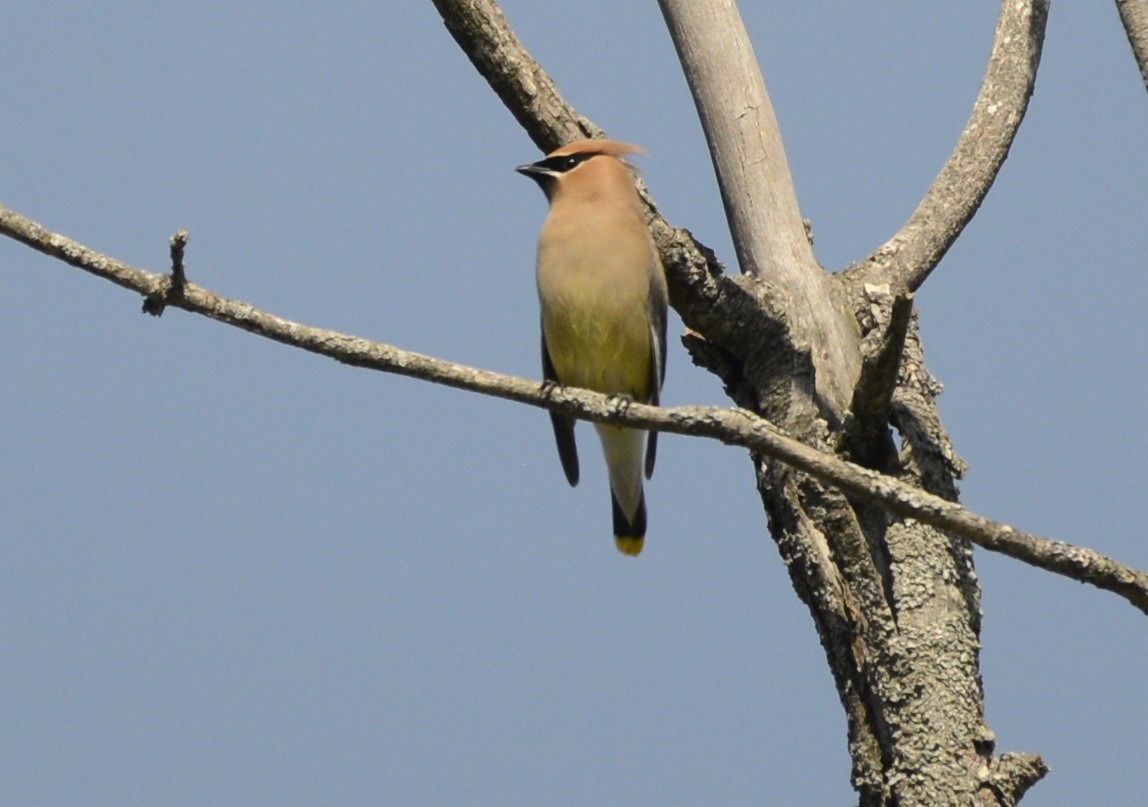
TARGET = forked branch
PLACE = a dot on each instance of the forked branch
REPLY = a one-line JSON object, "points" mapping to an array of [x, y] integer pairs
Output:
{"points": [[756, 185]]}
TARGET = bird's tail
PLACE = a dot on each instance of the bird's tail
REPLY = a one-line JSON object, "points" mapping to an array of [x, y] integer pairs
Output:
{"points": [[624, 449], [629, 531]]}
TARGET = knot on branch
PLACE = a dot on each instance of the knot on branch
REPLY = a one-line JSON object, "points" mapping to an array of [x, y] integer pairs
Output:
{"points": [[172, 286], [1010, 777]]}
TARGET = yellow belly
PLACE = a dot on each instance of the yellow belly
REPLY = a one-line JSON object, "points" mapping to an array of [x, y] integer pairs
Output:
{"points": [[599, 347]]}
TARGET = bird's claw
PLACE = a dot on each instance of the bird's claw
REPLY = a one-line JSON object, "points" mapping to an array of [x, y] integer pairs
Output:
{"points": [[620, 403]]}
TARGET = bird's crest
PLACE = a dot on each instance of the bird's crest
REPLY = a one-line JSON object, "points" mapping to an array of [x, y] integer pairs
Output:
{"points": [[611, 148]]}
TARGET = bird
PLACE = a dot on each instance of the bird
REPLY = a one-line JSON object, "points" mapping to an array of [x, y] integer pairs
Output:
{"points": [[603, 300]]}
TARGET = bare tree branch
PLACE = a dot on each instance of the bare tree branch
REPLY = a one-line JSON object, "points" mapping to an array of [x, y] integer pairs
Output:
{"points": [[756, 185], [743, 137], [730, 426], [952, 200], [1134, 15], [480, 29]]}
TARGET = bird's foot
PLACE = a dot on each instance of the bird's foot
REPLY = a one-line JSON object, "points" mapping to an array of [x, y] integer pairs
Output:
{"points": [[620, 403]]}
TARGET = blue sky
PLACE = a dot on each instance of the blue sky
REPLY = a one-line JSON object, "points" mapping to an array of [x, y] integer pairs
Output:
{"points": [[237, 573]]}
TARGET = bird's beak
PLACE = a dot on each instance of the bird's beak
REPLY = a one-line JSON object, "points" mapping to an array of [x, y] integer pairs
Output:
{"points": [[539, 173], [532, 170]]}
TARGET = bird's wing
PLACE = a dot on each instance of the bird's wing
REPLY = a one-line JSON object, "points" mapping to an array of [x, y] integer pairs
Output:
{"points": [[563, 425], [656, 311]]}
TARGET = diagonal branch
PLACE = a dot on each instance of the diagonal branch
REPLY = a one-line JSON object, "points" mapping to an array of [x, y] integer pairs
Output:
{"points": [[481, 30], [731, 426], [951, 202], [1134, 15]]}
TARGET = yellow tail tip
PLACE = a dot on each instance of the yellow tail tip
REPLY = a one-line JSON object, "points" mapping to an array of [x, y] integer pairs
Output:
{"points": [[629, 545]]}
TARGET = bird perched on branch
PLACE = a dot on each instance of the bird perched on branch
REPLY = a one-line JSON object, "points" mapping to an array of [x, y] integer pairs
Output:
{"points": [[603, 296]]}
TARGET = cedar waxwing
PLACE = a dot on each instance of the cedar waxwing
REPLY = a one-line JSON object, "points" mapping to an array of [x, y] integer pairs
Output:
{"points": [[603, 296]]}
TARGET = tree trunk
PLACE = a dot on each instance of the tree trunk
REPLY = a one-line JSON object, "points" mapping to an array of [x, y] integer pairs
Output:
{"points": [[896, 603]]}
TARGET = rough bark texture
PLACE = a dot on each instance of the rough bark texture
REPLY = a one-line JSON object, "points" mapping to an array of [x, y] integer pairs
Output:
{"points": [[1134, 16], [896, 602]]}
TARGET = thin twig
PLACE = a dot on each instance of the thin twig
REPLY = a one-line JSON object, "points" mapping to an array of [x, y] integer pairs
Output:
{"points": [[178, 247], [155, 302], [731, 426]]}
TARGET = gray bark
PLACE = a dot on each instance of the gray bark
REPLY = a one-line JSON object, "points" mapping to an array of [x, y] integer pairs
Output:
{"points": [[896, 602], [1134, 17]]}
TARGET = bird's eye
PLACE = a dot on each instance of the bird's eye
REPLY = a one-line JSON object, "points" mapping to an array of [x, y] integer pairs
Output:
{"points": [[560, 164]]}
